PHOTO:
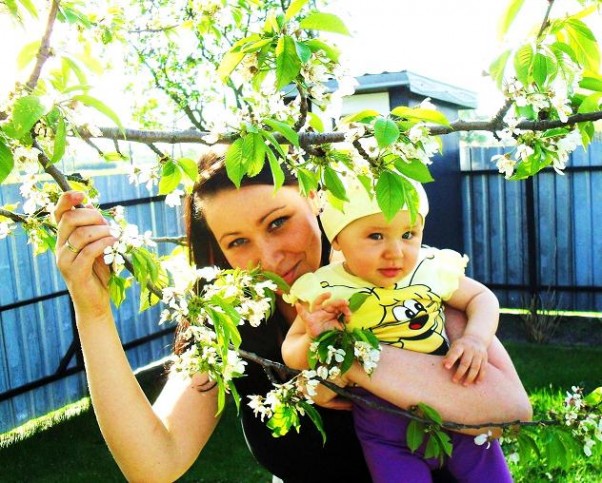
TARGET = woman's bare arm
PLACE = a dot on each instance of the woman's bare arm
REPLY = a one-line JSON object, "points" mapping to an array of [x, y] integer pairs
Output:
{"points": [[148, 444], [406, 378]]}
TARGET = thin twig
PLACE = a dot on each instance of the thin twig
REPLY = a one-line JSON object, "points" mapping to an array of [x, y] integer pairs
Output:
{"points": [[178, 240], [11, 215], [546, 18]]}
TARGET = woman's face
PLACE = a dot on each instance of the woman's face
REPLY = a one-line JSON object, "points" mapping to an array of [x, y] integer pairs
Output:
{"points": [[253, 225]]}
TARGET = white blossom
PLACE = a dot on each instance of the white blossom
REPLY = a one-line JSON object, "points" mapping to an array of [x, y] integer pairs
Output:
{"points": [[484, 438], [6, 228], [174, 198]]}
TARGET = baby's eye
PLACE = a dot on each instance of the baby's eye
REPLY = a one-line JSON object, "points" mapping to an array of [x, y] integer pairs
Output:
{"points": [[375, 236], [277, 223], [408, 235], [237, 243]]}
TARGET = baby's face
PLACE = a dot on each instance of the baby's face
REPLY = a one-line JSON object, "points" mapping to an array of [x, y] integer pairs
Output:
{"points": [[378, 251]]}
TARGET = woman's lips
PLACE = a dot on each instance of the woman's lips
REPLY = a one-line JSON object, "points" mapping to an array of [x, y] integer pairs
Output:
{"points": [[290, 275]]}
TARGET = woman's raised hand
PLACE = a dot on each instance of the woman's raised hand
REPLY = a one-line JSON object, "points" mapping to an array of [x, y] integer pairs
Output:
{"points": [[83, 234]]}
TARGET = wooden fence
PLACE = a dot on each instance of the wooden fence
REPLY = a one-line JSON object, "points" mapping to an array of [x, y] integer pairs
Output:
{"points": [[541, 236], [40, 359]]}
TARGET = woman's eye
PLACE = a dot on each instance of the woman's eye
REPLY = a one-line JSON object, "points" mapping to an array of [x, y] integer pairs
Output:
{"points": [[408, 235], [375, 236], [277, 223], [237, 243]]}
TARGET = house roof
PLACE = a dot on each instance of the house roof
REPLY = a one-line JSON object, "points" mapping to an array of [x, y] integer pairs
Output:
{"points": [[415, 83]]}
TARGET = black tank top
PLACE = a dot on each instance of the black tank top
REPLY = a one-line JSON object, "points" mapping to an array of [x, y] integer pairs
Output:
{"points": [[295, 457]]}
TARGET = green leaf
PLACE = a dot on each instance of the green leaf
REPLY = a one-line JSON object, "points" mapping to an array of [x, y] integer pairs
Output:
{"points": [[433, 450], [294, 8], [229, 63], [27, 111], [414, 169], [303, 52], [235, 167], [325, 22], [253, 149], [386, 132], [117, 288], [527, 446], [540, 69], [389, 194], [430, 413], [288, 64], [594, 398], [100, 107], [315, 121], [60, 141], [591, 83], [445, 441], [415, 434], [420, 114], [508, 17], [333, 183], [272, 140], [189, 167], [29, 6], [362, 116], [523, 59], [6, 161], [28, 53], [315, 417], [171, 175], [276, 169], [330, 51], [591, 103], [308, 181], [283, 128], [79, 73], [498, 67], [277, 279], [114, 156], [357, 300], [255, 46]]}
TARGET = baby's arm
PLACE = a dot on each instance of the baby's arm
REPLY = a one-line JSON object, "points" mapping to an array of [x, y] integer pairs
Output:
{"points": [[470, 350], [308, 325]]}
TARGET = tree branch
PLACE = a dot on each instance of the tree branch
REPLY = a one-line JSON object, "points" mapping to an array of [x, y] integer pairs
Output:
{"points": [[192, 136], [269, 366], [44, 51]]}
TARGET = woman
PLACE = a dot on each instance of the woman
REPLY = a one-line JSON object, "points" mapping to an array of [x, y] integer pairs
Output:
{"points": [[242, 228]]}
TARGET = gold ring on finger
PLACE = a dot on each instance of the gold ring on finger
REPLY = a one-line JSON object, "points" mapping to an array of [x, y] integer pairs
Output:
{"points": [[71, 248]]}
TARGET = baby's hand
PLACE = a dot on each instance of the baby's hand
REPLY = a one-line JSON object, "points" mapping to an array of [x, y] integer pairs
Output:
{"points": [[470, 353], [325, 315]]}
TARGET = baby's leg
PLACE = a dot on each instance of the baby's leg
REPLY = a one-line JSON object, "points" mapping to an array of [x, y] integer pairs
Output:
{"points": [[383, 439], [471, 463]]}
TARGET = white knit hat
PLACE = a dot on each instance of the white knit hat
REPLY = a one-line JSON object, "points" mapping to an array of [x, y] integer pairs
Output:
{"points": [[360, 204]]}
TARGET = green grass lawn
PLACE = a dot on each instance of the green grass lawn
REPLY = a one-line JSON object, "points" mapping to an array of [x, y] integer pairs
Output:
{"points": [[74, 451]]}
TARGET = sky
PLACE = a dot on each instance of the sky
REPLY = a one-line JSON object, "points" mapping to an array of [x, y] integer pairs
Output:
{"points": [[449, 41]]}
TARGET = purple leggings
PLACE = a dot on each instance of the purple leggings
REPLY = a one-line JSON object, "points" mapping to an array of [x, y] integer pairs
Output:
{"points": [[383, 439]]}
